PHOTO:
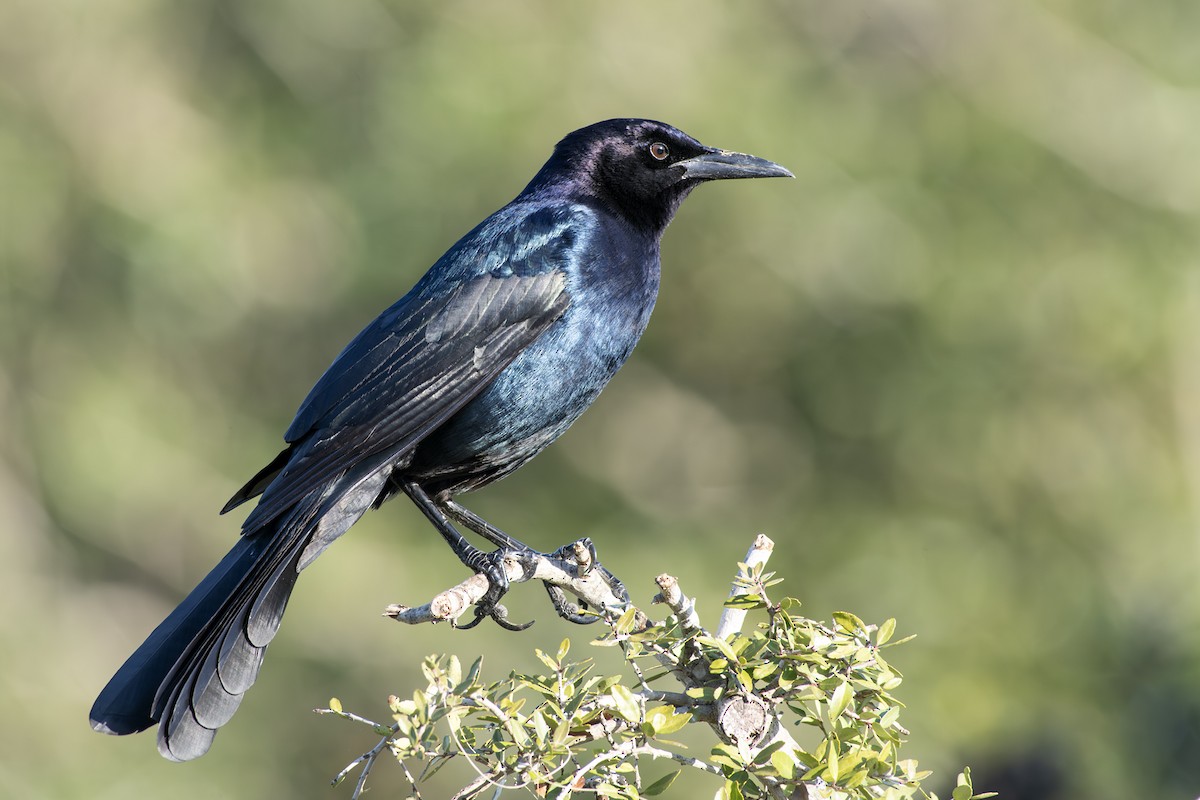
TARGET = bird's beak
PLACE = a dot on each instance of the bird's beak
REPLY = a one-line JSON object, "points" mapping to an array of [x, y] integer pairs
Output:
{"points": [[724, 164]]}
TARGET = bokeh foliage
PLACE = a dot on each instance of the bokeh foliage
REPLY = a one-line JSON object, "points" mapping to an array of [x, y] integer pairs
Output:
{"points": [[953, 369]]}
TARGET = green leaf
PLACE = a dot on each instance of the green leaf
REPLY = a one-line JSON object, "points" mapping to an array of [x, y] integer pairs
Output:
{"points": [[843, 651], [726, 755], [784, 763], [625, 623], [540, 727], [563, 649], [626, 704], [841, 698], [665, 721], [720, 644], [561, 732], [472, 676], [746, 601], [848, 622], [573, 704], [764, 671], [908, 638], [889, 717], [662, 784], [607, 682], [885, 631], [454, 672], [547, 660]]}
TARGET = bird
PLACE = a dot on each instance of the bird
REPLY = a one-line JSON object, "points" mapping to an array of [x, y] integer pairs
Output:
{"points": [[491, 355]]}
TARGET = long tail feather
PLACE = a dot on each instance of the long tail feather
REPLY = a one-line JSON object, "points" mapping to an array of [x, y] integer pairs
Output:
{"points": [[190, 674]]}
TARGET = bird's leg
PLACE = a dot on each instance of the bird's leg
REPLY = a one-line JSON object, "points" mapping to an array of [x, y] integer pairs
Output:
{"points": [[490, 564], [562, 606], [468, 518]]}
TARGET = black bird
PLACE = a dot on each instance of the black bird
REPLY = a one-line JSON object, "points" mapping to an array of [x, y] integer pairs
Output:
{"points": [[496, 350]]}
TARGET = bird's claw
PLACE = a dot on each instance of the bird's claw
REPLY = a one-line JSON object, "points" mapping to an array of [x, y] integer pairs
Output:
{"points": [[581, 553], [499, 615], [492, 565], [615, 585], [593, 561], [566, 609], [586, 561]]}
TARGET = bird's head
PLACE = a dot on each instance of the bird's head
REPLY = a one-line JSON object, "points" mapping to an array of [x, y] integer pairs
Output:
{"points": [[643, 169]]}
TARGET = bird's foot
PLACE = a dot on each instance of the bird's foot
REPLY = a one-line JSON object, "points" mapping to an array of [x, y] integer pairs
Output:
{"points": [[568, 610], [583, 554], [492, 565]]}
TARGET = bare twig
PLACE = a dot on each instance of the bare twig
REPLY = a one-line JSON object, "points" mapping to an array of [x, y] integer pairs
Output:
{"points": [[677, 699], [732, 618], [367, 759], [627, 749], [673, 597]]}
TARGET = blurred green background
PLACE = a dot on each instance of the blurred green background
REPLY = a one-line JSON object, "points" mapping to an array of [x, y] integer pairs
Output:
{"points": [[953, 369]]}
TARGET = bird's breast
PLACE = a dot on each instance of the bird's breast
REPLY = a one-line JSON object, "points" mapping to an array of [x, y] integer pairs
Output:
{"points": [[554, 380]]}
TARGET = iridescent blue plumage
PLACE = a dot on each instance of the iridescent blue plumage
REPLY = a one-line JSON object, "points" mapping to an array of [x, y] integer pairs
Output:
{"points": [[502, 344]]}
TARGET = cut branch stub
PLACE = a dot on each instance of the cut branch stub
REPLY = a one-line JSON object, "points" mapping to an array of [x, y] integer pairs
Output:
{"points": [[743, 719]]}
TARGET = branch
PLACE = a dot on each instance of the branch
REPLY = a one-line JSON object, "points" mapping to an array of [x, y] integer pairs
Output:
{"points": [[745, 687], [367, 759], [673, 597], [630, 748], [570, 569], [732, 618]]}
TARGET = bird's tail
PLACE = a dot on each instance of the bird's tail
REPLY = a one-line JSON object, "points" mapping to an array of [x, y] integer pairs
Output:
{"points": [[191, 672]]}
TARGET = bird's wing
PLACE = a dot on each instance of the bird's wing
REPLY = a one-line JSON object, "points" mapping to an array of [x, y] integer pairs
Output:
{"points": [[413, 368]]}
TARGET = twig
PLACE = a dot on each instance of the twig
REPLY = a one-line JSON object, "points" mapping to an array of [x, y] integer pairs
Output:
{"points": [[367, 760], [482, 781], [677, 699], [350, 715], [626, 749], [732, 618], [687, 761], [674, 598]]}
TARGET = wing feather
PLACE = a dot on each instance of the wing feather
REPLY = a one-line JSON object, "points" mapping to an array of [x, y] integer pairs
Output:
{"points": [[415, 366]]}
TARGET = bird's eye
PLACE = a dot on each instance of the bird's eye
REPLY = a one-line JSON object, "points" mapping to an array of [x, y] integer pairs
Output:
{"points": [[659, 151]]}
